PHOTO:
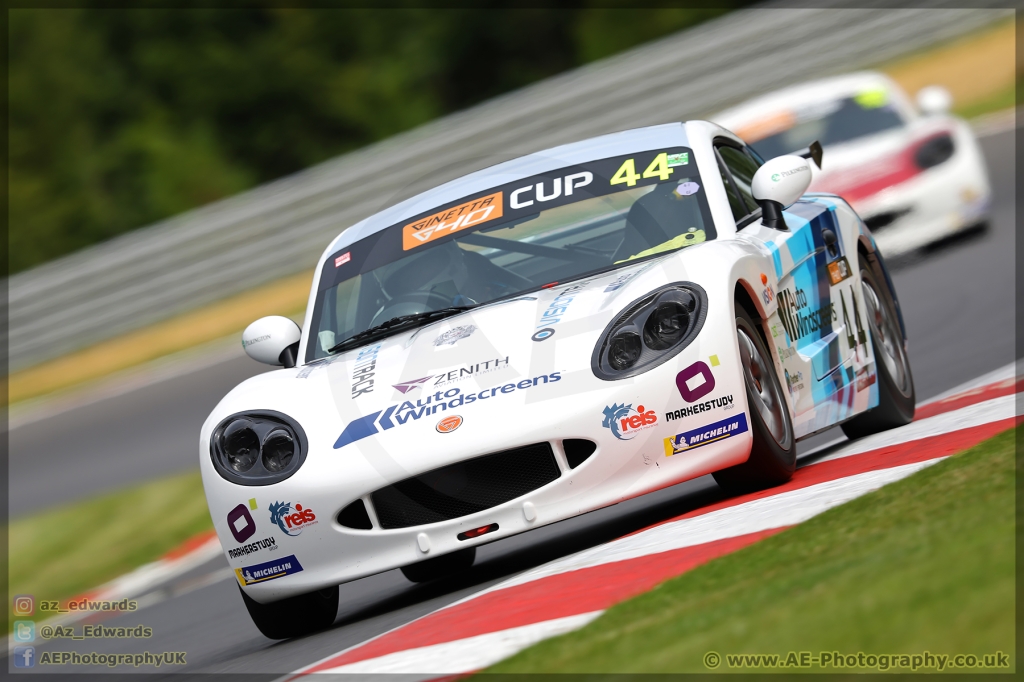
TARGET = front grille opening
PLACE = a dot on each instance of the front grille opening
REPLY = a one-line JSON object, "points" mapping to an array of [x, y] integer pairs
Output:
{"points": [[465, 487], [577, 450], [355, 516]]}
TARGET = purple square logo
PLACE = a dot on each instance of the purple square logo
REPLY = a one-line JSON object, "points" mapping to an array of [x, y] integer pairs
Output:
{"points": [[695, 382], [241, 524]]}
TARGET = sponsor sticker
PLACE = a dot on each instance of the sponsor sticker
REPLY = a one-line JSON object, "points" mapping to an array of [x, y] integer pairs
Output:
{"points": [[838, 270], [685, 189], [712, 433], [269, 570], [625, 422], [452, 220], [363, 370], [241, 523], [342, 259], [291, 519], [798, 319], [449, 424], [795, 381], [452, 336], [406, 386], [543, 334], [399, 414], [696, 381], [269, 543], [725, 402], [678, 159]]}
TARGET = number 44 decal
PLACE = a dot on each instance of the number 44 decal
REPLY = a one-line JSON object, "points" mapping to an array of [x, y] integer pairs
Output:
{"points": [[627, 171], [861, 338]]}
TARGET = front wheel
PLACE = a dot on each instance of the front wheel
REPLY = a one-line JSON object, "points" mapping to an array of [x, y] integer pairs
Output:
{"points": [[294, 616], [772, 458], [895, 384]]}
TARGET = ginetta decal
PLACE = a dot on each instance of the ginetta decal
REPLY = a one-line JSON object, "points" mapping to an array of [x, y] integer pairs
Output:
{"points": [[452, 220]]}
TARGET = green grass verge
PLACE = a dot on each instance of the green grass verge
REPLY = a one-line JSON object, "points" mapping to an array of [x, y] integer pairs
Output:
{"points": [[926, 563], [1005, 99], [62, 552]]}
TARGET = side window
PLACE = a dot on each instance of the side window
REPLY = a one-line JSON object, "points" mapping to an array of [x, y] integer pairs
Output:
{"points": [[742, 168], [738, 209]]}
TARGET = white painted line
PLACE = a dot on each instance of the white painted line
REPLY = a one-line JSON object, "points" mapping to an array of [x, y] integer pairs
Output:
{"points": [[466, 655]]}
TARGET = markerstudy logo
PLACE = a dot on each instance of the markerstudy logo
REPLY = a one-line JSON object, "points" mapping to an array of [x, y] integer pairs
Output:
{"points": [[241, 523]]}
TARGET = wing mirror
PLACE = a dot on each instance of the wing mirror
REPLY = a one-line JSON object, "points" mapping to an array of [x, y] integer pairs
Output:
{"points": [[934, 100], [781, 181], [272, 340]]}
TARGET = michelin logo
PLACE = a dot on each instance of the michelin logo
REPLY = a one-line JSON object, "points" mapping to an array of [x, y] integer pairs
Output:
{"points": [[249, 575], [712, 433]]}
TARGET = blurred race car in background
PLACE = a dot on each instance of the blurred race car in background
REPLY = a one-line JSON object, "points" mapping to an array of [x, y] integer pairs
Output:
{"points": [[915, 175]]}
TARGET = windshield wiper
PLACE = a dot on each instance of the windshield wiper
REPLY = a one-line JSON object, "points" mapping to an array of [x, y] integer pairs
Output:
{"points": [[397, 324]]}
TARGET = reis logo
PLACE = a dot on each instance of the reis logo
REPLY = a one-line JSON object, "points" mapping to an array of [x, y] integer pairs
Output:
{"points": [[624, 421], [291, 519]]}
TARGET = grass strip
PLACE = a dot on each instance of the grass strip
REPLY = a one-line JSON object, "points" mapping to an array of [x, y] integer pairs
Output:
{"points": [[923, 564], [62, 552]]}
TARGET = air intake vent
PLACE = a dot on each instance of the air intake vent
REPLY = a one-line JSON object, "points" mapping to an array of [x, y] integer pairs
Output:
{"points": [[355, 516], [577, 450], [465, 488]]}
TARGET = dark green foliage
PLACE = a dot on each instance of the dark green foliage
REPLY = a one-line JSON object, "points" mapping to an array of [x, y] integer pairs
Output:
{"points": [[119, 118]]}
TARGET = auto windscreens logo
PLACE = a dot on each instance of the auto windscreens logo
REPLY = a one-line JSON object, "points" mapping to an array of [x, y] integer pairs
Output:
{"points": [[705, 435], [403, 413], [269, 570]]}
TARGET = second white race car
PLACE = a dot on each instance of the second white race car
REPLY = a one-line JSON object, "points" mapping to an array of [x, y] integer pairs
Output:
{"points": [[916, 175], [539, 339]]}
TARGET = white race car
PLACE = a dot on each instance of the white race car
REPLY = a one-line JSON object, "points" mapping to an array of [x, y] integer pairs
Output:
{"points": [[540, 339], [915, 176]]}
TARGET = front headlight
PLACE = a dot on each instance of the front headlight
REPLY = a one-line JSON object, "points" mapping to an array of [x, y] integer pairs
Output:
{"points": [[650, 331], [257, 448]]}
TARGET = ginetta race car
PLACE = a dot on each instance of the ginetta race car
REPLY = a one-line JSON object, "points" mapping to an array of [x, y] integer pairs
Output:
{"points": [[915, 175], [539, 339]]}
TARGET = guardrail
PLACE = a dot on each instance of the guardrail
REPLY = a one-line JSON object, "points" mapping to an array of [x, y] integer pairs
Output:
{"points": [[281, 228]]}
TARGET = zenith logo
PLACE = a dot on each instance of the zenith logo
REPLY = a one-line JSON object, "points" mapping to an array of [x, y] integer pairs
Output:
{"points": [[407, 386]]}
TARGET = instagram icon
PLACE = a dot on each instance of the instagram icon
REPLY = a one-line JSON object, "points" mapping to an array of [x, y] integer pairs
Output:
{"points": [[24, 605]]}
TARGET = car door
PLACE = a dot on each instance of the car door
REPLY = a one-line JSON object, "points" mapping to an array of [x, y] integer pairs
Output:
{"points": [[818, 330]]}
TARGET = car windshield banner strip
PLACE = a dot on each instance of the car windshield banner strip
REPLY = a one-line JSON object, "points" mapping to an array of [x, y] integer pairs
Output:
{"points": [[510, 204]]}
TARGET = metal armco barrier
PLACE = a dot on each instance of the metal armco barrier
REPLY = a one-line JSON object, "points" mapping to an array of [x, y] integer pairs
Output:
{"points": [[281, 228]]}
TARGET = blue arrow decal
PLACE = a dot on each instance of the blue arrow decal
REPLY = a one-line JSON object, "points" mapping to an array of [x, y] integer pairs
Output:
{"points": [[358, 429]]}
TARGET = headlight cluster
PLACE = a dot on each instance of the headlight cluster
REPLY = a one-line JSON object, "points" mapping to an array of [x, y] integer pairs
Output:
{"points": [[258, 448], [650, 331]]}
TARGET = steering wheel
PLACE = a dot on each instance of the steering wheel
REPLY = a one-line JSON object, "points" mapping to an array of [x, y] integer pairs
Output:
{"points": [[410, 304]]}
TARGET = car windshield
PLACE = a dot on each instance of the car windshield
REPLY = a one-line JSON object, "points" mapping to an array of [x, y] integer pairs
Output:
{"points": [[549, 228], [829, 122]]}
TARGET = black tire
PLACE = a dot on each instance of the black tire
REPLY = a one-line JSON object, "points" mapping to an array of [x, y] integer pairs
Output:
{"points": [[294, 616], [441, 566], [896, 397], [772, 458]]}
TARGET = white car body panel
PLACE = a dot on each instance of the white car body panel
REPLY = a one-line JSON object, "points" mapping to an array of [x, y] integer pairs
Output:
{"points": [[831, 382]]}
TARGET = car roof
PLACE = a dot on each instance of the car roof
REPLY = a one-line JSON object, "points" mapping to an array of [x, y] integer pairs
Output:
{"points": [[604, 146], [821, 90]]}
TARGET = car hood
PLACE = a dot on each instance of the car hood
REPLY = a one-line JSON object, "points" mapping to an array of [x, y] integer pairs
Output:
{"points": [[529, 355]]}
